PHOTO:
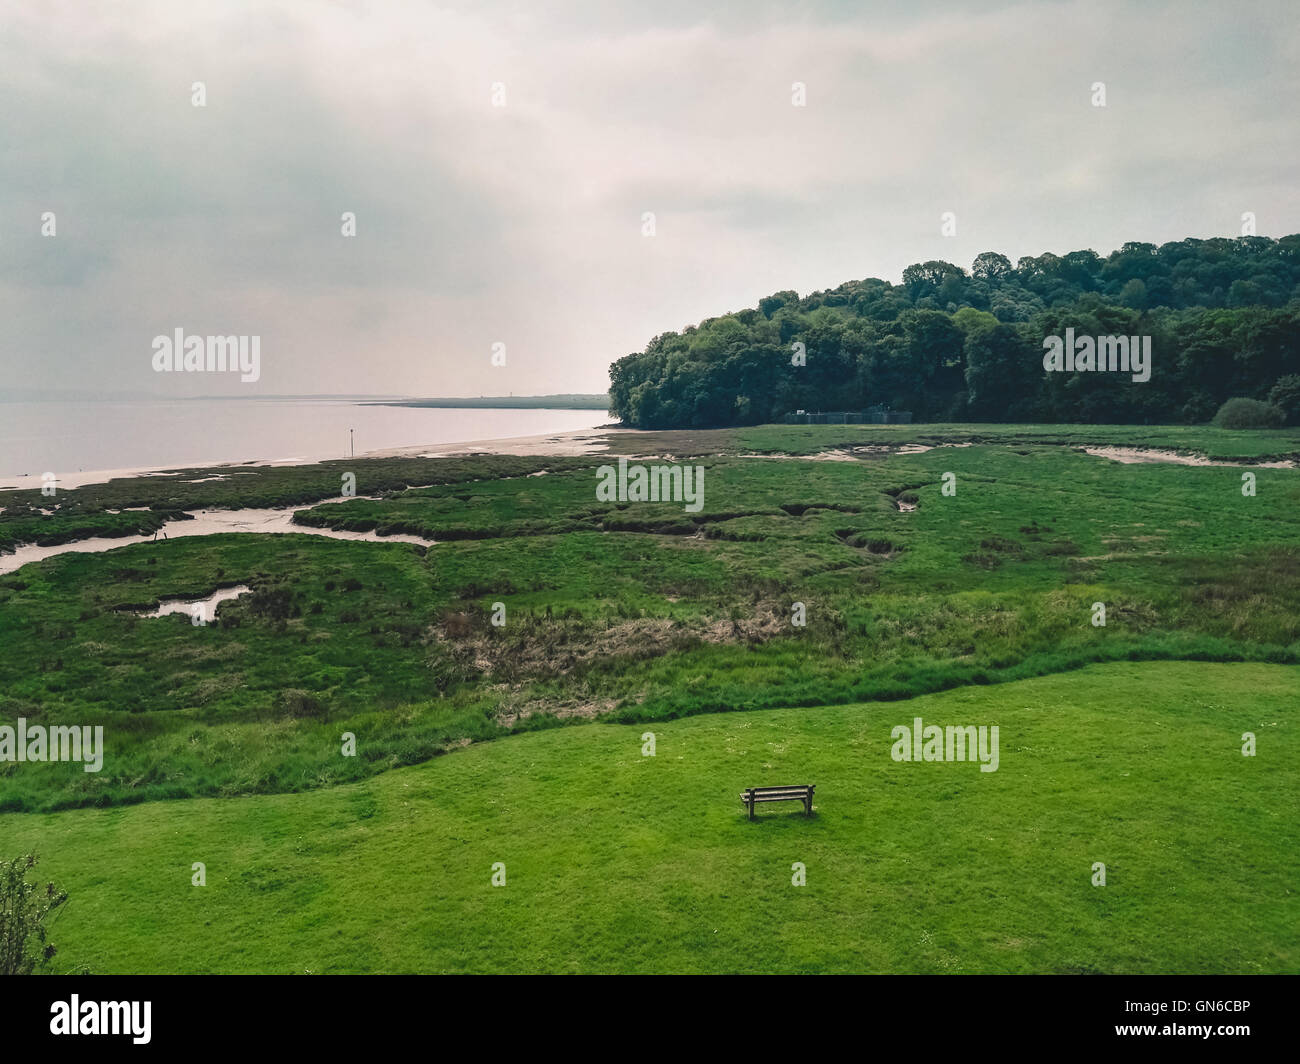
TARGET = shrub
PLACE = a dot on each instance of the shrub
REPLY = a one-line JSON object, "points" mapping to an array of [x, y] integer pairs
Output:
{"points": [[298, 704], [1248, 414], [24, 911], [274, 603]]}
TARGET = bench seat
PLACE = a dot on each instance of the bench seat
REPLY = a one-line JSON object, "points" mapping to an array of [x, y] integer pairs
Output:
{"points": [[800, 793]]}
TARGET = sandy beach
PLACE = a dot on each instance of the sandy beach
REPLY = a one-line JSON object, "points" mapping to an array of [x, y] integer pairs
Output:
{"points": [[569, 444], [547, 445]]}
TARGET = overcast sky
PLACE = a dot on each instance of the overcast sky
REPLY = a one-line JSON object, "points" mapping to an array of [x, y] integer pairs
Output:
{"points": [[522, 224]]}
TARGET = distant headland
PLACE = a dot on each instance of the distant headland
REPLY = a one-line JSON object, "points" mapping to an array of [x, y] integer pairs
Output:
{"points": [[538, 402]]}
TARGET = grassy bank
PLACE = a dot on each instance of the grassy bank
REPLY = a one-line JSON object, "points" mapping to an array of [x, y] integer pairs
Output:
{"points": [[619, 862]]}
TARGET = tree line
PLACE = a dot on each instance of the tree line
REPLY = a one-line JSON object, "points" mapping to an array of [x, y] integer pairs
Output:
{"points": [[953, 345]]}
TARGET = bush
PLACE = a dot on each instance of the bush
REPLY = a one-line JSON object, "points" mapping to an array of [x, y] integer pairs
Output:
{"points": [[274, 603], [24, 909], [298, 705], [1248, 414]]}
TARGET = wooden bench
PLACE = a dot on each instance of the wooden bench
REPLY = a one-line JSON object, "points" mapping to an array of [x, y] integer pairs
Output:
{"points": [[779, 794]]}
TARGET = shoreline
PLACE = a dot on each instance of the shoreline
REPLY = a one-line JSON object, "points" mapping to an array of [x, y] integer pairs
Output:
{"points": [[570, 443], [579, 443]]}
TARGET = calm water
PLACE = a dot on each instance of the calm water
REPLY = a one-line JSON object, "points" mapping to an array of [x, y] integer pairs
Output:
{"points": [[63, 437]]}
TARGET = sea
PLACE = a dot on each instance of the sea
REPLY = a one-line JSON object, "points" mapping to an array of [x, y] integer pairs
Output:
{"points": [[66, 437]]}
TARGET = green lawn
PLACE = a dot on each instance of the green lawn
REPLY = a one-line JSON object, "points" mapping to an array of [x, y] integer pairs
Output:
{"points": [[617, 862]]}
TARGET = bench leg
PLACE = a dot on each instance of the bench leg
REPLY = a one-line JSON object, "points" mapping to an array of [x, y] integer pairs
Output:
{"points": [[807, 807], [751, 809]]}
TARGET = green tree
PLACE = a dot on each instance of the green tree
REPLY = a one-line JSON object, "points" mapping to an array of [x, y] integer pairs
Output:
{"points": [[969, 320], [1285, 395], [1001, 371], [769, 305], [991, 266], [925, 278], [1134, 294], [1215, 309]]}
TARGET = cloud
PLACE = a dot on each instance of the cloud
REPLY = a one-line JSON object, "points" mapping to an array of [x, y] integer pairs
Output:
{"points": [[522, 224]]}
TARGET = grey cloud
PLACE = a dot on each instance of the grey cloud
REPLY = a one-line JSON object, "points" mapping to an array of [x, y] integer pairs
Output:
{"points": [[522, 224]]}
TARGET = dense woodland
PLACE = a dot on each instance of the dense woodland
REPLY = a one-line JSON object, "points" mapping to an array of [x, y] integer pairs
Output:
{"points": [[953, 345]]}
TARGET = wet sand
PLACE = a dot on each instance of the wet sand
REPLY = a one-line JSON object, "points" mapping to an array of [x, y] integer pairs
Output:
{"points": [[550, 445], [208, 606], [1141, 455], [205, 523]]}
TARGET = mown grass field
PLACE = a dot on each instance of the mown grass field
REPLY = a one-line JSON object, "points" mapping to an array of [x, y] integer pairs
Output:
{"points": [[1120, 743], [617, 862]]}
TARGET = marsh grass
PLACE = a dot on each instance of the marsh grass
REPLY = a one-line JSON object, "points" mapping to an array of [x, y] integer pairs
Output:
{"points": [[633, 612]]}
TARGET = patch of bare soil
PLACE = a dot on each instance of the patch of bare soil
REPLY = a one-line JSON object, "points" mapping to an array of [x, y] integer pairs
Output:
{"points": [[509, 715], [537, 648], [860, 452], [1140, 455]]}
